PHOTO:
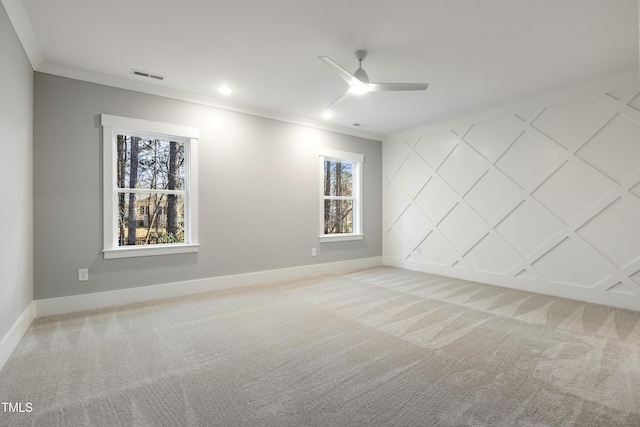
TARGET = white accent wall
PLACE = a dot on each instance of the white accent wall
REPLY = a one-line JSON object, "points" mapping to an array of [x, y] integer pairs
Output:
{"points": [[543, 196]]}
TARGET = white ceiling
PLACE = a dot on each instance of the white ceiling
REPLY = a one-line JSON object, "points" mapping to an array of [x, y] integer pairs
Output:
{"points": [[473, 53]]}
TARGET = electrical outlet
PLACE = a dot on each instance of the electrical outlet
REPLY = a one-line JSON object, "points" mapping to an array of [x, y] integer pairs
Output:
{"points": [[314, 252], [83, 275]]}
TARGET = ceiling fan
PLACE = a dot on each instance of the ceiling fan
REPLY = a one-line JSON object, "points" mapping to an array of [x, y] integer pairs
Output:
{"points": [[359, 81]]}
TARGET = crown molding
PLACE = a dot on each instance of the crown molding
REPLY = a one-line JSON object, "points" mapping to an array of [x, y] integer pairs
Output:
{"points": [[153, 89], [21, 25]]}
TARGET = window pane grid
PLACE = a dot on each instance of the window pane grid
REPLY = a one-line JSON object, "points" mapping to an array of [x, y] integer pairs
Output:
{"points": [[340, 194], [149, 191], [147, 182], [338, 198], [338, 178], [149, 163], [338, 216], [148, 219]]}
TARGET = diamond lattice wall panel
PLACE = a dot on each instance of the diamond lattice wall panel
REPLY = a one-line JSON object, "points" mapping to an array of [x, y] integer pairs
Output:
{"points": [[636, 190], [636, 277], [615, 232], [525, 274], [436, 198], [492, 255], [394, 155], [396, 201], [435, 148], [462, 226], [618, 94], [615, 149], [620, 288], [413, 175], [566, 264], [527, 159], [635, 103], [527, 229], [462, 168], [571, 191], [492, 194], [525, 115], [542, 196], [394, 247], [492, 138], [413, 225], [564, 123], [436, 250]]}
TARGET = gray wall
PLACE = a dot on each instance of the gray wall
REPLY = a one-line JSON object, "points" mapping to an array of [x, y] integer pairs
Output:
{"points": [[250, 167], [16, 145]]}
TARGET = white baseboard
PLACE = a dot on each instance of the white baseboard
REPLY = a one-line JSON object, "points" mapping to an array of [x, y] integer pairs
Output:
{"points": [[530, 285], [75, 303], [13, 337]]}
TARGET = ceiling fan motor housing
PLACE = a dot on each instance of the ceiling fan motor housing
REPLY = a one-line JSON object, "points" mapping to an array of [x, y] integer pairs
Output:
{"points": [[361, 54], [360, 74]]}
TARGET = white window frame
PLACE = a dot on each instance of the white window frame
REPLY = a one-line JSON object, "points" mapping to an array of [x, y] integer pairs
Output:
{"points": [[357, 160], [111, 127]]}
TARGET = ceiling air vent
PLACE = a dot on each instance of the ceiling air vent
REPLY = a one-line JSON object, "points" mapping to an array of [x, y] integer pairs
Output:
{"points": [[147, 75]]}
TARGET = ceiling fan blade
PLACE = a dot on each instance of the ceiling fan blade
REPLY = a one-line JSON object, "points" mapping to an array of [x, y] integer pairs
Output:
{"points": [[341, 98], [346, 76], [383, 87]]}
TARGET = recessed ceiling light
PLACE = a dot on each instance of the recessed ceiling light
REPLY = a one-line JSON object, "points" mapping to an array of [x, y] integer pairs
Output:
{"points": [[327, 114], [225, 89]]}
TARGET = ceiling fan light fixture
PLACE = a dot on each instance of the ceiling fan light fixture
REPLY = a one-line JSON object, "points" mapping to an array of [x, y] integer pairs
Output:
{"points": [[225, 89], [359, 88], [359, 81]]}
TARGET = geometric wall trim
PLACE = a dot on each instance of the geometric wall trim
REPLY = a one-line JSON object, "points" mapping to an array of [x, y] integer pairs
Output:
{"points": [[565, 122], [462, 227], [528, 228], [492, 138], [615, 232], [636, 277], [620, 288], [492, 255], [462, 168], [566, 264], [492, 194], [435, 249], [542, 197], [528, 159], [436, 189], [571, 190], [614, 150]]}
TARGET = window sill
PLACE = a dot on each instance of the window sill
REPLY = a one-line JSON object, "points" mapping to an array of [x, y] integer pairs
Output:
{"points": [[340, 237], [133, 251]]}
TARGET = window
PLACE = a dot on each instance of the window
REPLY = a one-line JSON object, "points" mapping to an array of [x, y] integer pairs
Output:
{"points": [[150, 188], [340, 196]]}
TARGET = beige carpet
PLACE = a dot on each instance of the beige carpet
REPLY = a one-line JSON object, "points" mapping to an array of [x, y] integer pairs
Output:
{"points": [[377, 347]]}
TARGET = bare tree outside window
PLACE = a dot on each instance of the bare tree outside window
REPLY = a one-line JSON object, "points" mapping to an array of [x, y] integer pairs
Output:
{"points": [[338, 200], [150, 188], [151, 184]]}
